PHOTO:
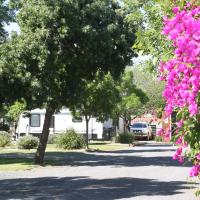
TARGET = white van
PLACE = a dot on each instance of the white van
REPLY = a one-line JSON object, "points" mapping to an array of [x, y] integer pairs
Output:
{"points": [[60, 122]]}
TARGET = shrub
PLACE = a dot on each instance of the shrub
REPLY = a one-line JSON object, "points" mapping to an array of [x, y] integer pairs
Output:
{"points": [[28, 142], [125, 138], [159, 139], [70, 140], [5, 138], [52, 139]]}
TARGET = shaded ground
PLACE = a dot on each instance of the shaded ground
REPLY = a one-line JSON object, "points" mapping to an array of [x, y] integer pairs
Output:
{"points": [[143, 172]]}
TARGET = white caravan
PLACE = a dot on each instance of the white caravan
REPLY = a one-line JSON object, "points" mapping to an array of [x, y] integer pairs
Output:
{"points": [[60, 122]]}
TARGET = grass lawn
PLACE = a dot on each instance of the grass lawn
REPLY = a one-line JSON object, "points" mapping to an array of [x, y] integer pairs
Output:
{"points": [[13, 159], [105, 146], [15, 164]]}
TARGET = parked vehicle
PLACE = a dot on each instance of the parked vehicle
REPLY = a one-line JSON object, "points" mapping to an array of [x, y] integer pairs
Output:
{"points": [[32, 123], [141, 129]]}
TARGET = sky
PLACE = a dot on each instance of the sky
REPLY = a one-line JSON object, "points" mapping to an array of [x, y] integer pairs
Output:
{"points": [[12, 27]]}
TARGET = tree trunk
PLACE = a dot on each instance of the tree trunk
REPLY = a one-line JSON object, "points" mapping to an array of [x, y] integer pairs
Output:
{"points": [[39, 156], [124, 126], [15, 127], [87, 131], [124, 119], [128, 127]]}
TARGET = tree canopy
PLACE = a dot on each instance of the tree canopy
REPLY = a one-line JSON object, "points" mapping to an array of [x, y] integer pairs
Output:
{"points": [[132, 99], [97, 99], [152, 87], [63, 42], [5, 18]]}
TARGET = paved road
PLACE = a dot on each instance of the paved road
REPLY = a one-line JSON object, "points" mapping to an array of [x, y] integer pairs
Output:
{"points": [[145, 172]]}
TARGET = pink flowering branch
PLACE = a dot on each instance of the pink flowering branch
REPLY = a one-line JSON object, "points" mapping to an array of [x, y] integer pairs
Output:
{"points": [[182, 72]]}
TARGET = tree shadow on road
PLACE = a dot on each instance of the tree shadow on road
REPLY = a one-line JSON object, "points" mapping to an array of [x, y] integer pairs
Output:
{"points": [[77, 188], [82, 159], [131, 151], [123, 158]]}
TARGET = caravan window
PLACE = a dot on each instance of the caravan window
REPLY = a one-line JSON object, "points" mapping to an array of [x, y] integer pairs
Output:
{"points": [[52, 122], [35, 120]]}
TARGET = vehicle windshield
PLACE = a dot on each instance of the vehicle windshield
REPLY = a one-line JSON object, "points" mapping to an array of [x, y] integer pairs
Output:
{"points": [[139, 125]]}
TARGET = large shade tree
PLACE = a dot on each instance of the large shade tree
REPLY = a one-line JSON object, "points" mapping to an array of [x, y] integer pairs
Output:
{"points": [[62, 43]]}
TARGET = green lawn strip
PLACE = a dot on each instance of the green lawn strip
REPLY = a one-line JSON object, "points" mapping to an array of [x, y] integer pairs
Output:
{"points": [[53, 148], [13, 159], [16, 164], [94, 145], [15, 150], [108, 146]]}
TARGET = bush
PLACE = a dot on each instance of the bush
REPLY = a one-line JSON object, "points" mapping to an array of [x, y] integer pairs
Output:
{"points": [[125, 138], [70, 140], [52, 139], [5, 138], [159, 139], [28, 142]]}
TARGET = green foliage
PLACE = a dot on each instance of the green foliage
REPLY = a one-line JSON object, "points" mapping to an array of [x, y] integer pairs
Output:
{"points": [[159, 139], [28, 142], [94, 95], [159, 113], [77, 39], [98, 98], [132, 98], [10, 83], [153, 88], [149, 40], [70, 140], [191, 129], [15, 111], [5, 17], [125, 138], [197, 193], [5, 139]]}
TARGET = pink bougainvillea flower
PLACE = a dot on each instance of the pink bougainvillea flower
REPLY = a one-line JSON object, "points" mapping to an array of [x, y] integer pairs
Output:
{"points": [[180, 123], [160, 132], [182, 73], [178, 155], [193, 109], [195, 170], [175, 10], [179, 141], [198, 156]]}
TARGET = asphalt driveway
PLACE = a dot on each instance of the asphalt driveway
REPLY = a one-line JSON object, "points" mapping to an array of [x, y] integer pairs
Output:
{"points": [[145, 172]]}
